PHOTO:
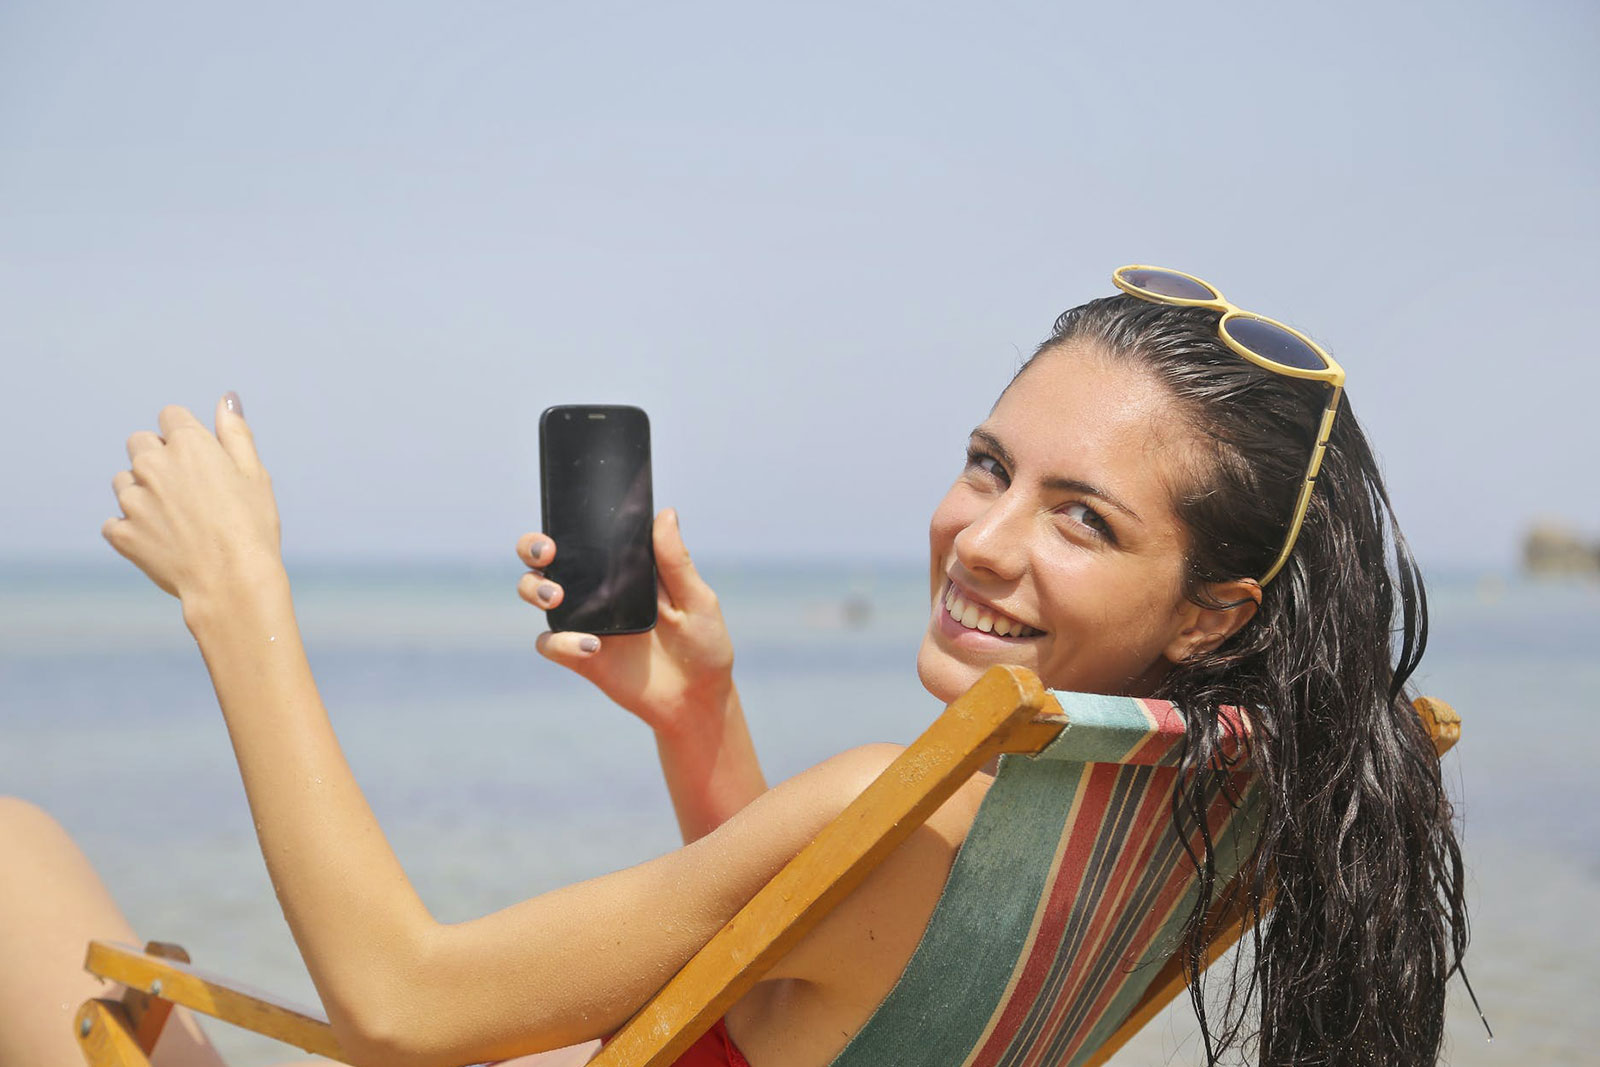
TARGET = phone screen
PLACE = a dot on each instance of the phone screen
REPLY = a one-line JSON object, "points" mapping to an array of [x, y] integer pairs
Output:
{"points": [[598, 506]]}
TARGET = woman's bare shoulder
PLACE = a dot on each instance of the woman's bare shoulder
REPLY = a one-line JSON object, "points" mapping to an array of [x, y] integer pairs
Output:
{"points": [[878, 926], [828, 986]]}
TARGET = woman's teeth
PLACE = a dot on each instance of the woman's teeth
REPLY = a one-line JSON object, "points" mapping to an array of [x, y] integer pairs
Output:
{"points": [[974, 617]]}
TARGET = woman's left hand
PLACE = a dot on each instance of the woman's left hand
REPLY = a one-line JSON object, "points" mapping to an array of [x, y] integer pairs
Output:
{"points": [[197, 507]]}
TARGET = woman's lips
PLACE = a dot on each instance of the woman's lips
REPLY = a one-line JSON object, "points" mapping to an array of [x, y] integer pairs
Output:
{"points": [[960, 615]]}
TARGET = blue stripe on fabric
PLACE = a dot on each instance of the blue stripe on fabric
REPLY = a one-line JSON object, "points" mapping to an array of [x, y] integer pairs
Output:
{"points": [[1100, 729]]}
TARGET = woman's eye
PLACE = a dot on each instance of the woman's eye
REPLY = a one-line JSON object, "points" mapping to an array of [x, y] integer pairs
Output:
{"points": [[988, 464], [1084, 515]]}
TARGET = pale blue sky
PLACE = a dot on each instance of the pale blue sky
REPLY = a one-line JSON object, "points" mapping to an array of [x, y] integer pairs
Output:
{"points": [[813, 241]]}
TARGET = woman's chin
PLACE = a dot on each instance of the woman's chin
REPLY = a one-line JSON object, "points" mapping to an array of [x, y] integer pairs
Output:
{"points": [[943, 676]]}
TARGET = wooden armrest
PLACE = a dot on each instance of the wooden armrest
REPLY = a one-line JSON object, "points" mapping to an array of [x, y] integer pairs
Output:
{"points": [[1441, 721], [177, 982]]}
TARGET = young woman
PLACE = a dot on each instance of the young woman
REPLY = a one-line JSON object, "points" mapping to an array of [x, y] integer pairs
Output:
{"points": [[1136, 515]]}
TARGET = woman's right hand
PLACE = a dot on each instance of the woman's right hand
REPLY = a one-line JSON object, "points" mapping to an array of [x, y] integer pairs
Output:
{"points": [[667, 676]]}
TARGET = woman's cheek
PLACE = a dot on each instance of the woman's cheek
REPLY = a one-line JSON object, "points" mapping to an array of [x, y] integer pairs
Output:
{"points": [[954, 514]]}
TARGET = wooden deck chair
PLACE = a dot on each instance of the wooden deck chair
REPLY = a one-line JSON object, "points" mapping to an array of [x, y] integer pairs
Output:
{"points": [[1051, 944]]}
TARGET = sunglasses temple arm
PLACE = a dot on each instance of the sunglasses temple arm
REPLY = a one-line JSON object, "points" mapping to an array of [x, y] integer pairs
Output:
{"points": [[1323, 433]]}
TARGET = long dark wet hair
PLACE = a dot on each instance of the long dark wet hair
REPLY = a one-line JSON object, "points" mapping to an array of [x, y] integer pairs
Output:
{"points": [[1355, 894]]}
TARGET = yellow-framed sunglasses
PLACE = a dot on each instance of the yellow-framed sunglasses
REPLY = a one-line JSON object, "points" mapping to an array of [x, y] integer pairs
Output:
{"points": [[1266, 343]]}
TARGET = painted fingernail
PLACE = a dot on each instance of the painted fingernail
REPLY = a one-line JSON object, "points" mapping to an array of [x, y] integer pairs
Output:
{"points": [[546, 592], [589, 644], [230, 400], [536, 549]]}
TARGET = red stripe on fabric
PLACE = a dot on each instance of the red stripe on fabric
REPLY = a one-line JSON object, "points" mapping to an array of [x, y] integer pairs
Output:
{"points": [[1233, 740], [1167, 725], [1129, 874], [1177, 883], [1082, 829]]}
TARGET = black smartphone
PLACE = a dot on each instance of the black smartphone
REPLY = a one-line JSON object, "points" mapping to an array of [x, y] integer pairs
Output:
{"points": [[594, 480]]}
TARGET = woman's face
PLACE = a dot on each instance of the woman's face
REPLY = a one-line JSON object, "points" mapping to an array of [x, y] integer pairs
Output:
{"points": [[1058, 548]]}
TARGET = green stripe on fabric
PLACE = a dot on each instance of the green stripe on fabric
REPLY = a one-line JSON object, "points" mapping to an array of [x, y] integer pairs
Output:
{"points": [[949, 990], [1100, 729]]}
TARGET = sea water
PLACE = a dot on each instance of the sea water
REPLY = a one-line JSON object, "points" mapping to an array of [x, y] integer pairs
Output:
{"points": [[498, 775]]}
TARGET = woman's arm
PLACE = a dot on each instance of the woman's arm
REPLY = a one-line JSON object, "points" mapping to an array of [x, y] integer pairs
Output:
{"points": [[677, 678], [354, 914], [200, 520], [399, 987], [710, 765]]}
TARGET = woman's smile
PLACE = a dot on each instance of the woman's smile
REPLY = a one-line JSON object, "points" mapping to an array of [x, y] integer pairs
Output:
{"points": [[963, 615]]}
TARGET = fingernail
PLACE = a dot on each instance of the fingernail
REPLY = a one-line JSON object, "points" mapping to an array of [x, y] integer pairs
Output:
{"points": [[230, 400], [546, 592], [536, 549], [589, 644]]}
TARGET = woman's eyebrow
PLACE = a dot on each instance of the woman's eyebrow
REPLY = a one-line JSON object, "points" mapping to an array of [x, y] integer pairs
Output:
{"points": [[1055, 482]]}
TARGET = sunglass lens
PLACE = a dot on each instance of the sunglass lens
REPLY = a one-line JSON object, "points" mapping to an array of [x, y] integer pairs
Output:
{"points": [[1168, 283], [1275, 343]]}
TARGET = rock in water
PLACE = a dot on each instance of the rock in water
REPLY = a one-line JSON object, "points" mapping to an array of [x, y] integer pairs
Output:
{"points": [[1553, 548]]}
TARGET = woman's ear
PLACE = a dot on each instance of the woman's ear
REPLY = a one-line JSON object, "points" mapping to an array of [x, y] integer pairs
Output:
{"points": [[1202, 629]]}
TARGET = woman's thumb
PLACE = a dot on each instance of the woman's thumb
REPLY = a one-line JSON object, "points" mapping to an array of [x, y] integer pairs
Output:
{"points": [[678, 576]]}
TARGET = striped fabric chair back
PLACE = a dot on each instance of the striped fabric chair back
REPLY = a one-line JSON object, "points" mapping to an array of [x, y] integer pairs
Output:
{"points": [[1068, 895]]}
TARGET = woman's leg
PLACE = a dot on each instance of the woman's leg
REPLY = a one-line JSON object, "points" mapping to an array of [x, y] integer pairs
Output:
{"points": [[52, 903]]}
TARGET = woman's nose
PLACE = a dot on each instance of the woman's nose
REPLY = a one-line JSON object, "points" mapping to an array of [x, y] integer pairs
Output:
{"points": [[995, 541]]}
